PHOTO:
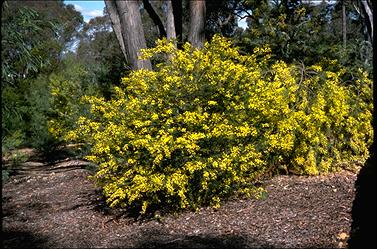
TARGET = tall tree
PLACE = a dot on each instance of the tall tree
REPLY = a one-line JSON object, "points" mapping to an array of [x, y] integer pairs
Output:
{"points": [[221, 17], [127, 25], [115, 21], [170, 24], [35, 34], [155, 17], [100, 54], [197, 23], [131, 29]]}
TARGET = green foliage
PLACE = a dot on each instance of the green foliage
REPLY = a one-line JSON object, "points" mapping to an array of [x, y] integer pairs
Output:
{"points": [[209, 122], [25, 111], [38, 112], [12, 110], [17, 157], [14, 140], [12, 159], [33, 39], [306, 32], [100, 54], [220, 17], [67, 86], [19, 52], [4, 176]]}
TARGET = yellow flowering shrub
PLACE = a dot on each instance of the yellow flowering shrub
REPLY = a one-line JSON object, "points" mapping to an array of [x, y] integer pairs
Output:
{"points": [[207, 122]]}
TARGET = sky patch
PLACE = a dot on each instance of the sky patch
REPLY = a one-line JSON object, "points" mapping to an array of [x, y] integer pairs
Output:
{"points": [[89, 9]]}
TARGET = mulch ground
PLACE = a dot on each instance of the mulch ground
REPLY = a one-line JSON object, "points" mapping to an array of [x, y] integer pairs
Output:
{"points": [[54, 205]]}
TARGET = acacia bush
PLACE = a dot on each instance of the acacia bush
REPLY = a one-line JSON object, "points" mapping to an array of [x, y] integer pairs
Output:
{"points": [[208, 122]]}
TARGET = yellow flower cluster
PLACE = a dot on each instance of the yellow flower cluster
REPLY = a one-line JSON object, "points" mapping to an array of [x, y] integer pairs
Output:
{"points": [[208, 121]]}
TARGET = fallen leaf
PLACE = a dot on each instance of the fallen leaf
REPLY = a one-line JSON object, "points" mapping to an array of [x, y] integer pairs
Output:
{"points": [[343, 236]]}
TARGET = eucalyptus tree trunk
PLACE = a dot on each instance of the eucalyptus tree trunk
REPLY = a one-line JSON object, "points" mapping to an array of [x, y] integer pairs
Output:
{"points": [[155, 17], [170, 26], [114, 17], [131, 30], [197, 23]]}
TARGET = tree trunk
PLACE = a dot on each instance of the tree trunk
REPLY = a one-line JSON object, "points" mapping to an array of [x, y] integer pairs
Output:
{"points": [[131, 30], [197, 22], [114, 17], [133, 33], [170, 26], [155, 18]]}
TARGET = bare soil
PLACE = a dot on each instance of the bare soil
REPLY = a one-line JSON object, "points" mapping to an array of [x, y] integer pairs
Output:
{"points": [[53, 204]]}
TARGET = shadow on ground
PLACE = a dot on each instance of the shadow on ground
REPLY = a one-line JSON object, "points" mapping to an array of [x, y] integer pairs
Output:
{"points": [[364, 225], [22, 239], [153, 238]]}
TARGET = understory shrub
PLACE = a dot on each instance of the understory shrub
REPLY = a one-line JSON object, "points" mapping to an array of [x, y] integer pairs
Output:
{"points": [[25, 109], [209, 122]]}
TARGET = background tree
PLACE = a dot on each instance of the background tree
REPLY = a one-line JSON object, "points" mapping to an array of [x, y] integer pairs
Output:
{"points": [[155, 17], [131, 29], [298, 31], [35, 34], [221, 17], [99, 52], [171, 25]]}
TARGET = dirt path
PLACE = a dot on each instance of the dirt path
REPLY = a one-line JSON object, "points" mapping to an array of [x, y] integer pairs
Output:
{"points": [[55, 207]]}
